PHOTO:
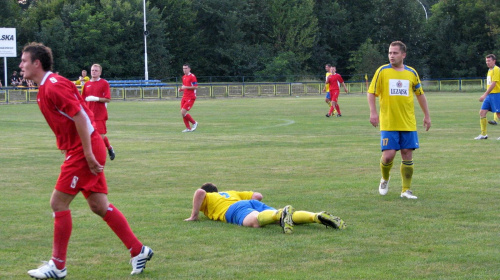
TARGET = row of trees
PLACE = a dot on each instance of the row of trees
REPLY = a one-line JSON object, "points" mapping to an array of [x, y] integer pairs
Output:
{"points": [[285, 38]]}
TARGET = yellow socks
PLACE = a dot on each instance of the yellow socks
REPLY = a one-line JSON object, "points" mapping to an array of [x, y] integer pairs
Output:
{"points": [[483, 123], [385, 168], [267, 217], [304, 217], [406, 174]]}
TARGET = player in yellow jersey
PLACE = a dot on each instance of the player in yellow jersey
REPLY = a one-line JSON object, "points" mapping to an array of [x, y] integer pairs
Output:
{"points": [[326, 88], [82, 79], [246, 209], [491, 97], [396, 84]]}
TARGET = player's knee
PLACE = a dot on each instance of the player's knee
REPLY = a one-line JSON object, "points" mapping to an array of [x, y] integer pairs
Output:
{"points": [[98, 209]]}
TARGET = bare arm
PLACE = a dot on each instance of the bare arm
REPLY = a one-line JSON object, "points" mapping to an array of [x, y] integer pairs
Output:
{"points": [[198, 197], [374, 120], [422, 100], [83, 132], [490, 88], [345, 87]]}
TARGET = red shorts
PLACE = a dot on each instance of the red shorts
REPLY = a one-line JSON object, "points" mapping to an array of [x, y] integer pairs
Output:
{"points": [[75, 173], [100, 126], [187, 103], [334, 95]]}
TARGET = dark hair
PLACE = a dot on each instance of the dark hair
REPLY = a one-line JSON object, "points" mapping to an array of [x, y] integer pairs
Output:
{"points": [[492, 56], [42, 53], [401, 45], [185, 64], [328, 64], [209, 187]]}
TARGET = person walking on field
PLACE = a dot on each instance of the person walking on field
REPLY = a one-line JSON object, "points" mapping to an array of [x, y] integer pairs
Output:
{"points": [[83, 169], [491, 97], [326, 88], [333, 82], [189, 86], [97, 93], [396, 84]]}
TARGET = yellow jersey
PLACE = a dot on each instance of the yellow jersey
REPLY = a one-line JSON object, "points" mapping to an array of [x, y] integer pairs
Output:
{"points": [[494, 76], [327, 89], [215, 205], [395, 90]]}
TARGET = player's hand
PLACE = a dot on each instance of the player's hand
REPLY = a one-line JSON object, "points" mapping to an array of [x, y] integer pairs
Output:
{"points": [[91, 98], [482, 98], [427, 123], [374, 120], [94, 166], [190, 219]]}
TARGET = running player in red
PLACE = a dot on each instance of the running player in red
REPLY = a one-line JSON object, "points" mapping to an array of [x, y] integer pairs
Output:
{"points": [[333, 81], [189, 86], [98, 94], [83, 169]]}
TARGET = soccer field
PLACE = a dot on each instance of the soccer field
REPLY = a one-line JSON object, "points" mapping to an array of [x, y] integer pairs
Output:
{"points": [[284, 148]]}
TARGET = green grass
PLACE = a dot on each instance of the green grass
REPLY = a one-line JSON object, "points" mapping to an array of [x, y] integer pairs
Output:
{"points": [[284, 148]]}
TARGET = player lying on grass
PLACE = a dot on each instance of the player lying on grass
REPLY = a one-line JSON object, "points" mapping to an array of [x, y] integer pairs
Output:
{"points": [[246, 209]]}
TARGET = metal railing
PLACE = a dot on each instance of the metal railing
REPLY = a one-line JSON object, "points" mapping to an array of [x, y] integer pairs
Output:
{"points": [[226, 90]]}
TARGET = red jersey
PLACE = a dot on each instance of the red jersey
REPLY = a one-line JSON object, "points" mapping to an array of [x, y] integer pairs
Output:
{"points": [[333, 81], [59, 101], [189, 80], [99, 88]]}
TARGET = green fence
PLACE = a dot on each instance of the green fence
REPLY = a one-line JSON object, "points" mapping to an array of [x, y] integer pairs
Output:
{"points": [[215, 90]]}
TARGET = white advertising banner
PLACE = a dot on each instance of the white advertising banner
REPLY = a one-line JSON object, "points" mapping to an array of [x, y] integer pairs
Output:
{"points": [[8, 42]]}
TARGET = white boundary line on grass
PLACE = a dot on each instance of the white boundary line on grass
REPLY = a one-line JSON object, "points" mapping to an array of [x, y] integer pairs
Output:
{"points": [[286, 122]]}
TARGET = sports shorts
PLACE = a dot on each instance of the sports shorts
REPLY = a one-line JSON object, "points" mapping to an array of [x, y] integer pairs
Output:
{"points": [[335, 95], [492, 103], [187, 103], [237, 212], [75, 173], [397, 140], [327, 96], [100, 126]]}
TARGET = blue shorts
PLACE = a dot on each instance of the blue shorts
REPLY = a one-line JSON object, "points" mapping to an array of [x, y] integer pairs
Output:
{"points": [[397, 140], [492, 103], [327, 96], [238, 211]]}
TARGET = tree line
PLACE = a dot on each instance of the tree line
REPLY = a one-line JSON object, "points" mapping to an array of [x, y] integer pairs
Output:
{"points": [[272, 39]]}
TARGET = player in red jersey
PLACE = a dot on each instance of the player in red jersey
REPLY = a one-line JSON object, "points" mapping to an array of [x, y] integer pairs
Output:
{"points": [[333, 81], [189, 86], [83, 169], [98, 94]]}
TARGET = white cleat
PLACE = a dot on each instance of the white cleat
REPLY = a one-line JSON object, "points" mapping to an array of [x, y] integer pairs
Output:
{"points": [[139, 262], [383, 188], [195, 125], [408, 194], [481, 137], [187, 130], [48, 271]]}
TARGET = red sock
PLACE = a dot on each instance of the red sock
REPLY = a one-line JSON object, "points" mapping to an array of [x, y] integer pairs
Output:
{"points": [[118, 223], [62, 232], [331, 110], [106, 142], [190, 119], [186, 122], [337, 108]]}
